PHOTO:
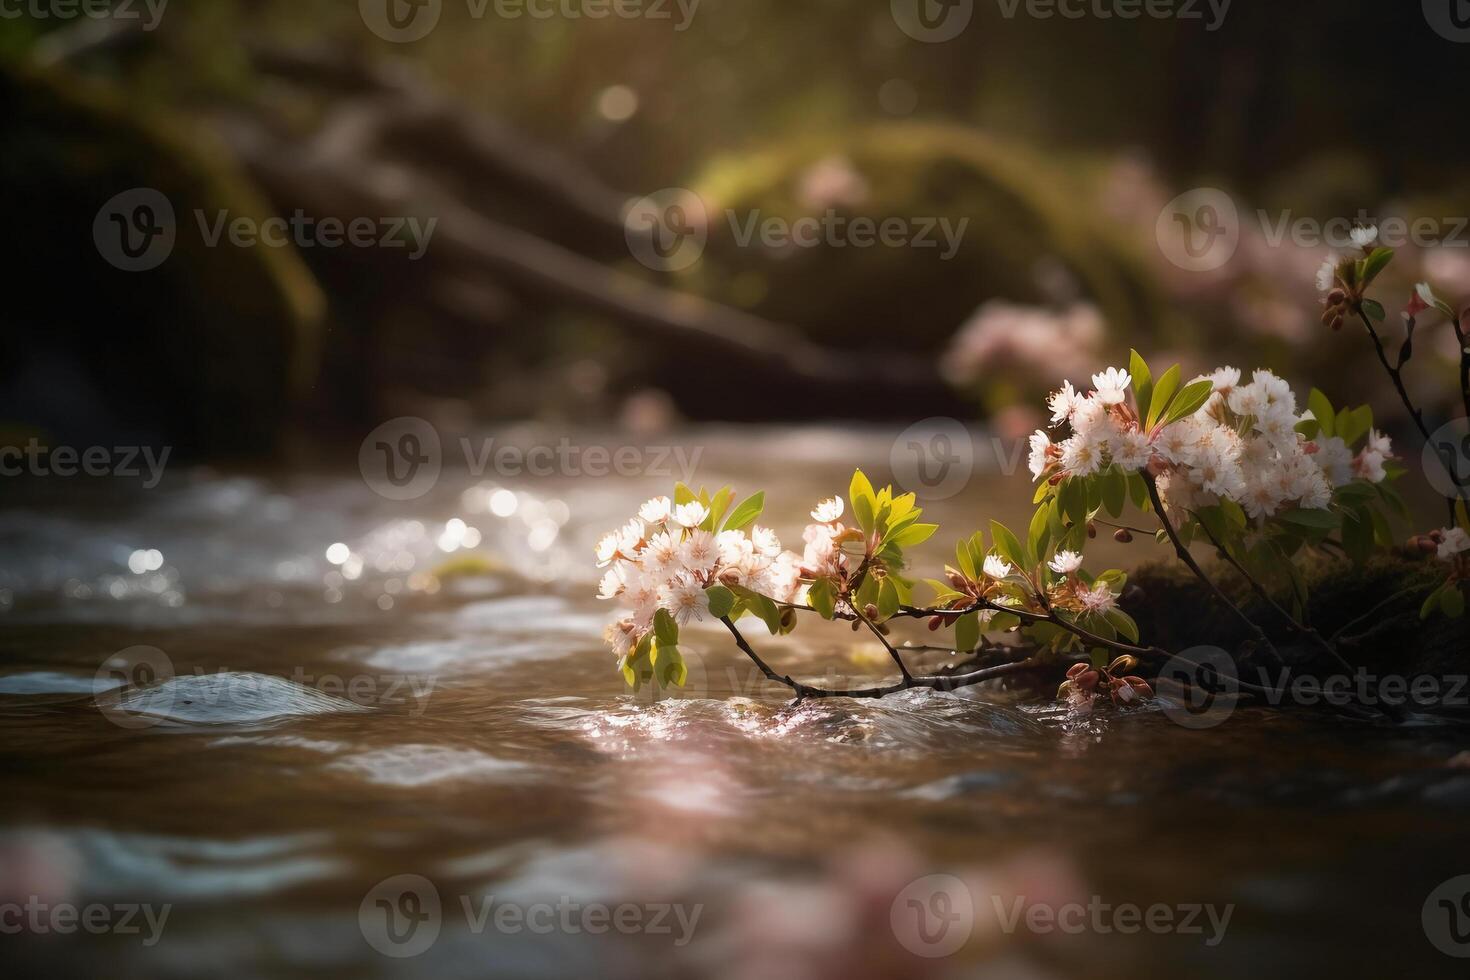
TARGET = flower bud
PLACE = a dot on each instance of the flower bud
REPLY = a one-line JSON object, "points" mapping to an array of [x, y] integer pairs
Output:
{"points": [[1336, 298], [870, 611], [1091, 530], [1123, 536], [935, 622], [1123, 664]]}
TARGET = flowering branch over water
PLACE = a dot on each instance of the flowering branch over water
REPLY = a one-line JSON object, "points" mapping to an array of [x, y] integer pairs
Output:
{"points": [[1241, 465]]}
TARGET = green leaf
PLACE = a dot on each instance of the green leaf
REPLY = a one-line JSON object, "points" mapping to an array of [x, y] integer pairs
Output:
{"points": [[717, 508], [1452, 601], [861, 488], [1354, 425], [888, 599], [1190, 400], [747, 512], [1322, 520], [721, 601], [763, 607], [820, 596], [669, 667], [1039, 533], [683, 495], [1009, 547], [912, 535], [1073, 499], [1375, 263], [1431, 603], [1322, 409], [1124, 624], [1114, 491], [963, 561], [862, 512], [1143, 384], [1374, 309], [665, 629], [1357, 536], [967, 632], [1163, 393]]}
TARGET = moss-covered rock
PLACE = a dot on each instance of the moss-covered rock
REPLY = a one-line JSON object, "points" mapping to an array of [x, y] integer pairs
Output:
{"points": [[1375, 608], [1029, 236], [207, 350]]}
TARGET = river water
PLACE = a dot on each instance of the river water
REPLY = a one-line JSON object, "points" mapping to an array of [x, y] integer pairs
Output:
{"points": [[244, 757]]}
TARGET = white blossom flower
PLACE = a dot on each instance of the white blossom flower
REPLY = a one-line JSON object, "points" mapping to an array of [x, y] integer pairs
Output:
{"points": [[1369, 466], [1064, 402], [997, 567], [1379, 443], [1131, 450], [661, 554], [1065, 562], [827, 511], [656, 511], [684, 599], [1112, 386], [1364, 238], [1224, 378], [690, 515], [1097, 600], [613, 584], [1454, 542], [1327, 275], [1040, 453], [631, 538], [607, 549], [1335, 460], [699, 552], [765, 541]]}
